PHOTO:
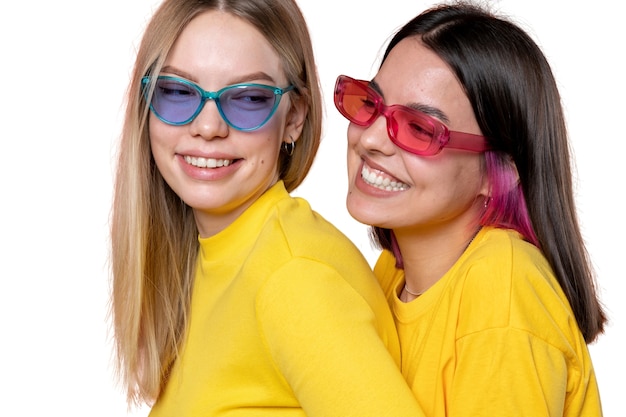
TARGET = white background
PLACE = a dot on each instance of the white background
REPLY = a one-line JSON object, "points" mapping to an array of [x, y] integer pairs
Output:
{"points": [[65, 67]]}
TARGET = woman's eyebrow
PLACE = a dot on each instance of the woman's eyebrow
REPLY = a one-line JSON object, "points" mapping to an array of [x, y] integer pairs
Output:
{"points": [[421, 107], [259, 75]]}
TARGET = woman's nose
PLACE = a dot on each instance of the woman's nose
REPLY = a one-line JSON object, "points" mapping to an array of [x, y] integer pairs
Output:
{"points": [[375, 137], [209, 123]]}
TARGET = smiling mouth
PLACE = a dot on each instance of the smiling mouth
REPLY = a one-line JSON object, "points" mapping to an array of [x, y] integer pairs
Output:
{"points": [[207, 162], [381, 181]]}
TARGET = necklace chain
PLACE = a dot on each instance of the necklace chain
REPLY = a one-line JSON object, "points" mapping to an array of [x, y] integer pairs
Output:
{"points": [[414, 294]]}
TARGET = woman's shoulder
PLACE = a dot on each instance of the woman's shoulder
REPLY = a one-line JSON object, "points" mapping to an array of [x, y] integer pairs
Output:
{"points": [[304, 229], [505, 250], [500, 260], [303, 253], [295, 236], [514, 285]]}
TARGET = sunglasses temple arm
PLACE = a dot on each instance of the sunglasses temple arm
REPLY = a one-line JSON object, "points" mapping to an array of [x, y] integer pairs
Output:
{"points": [[468, 142]]}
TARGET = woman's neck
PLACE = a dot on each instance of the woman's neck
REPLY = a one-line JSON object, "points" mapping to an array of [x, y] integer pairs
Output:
{"points": [[428, 254]]}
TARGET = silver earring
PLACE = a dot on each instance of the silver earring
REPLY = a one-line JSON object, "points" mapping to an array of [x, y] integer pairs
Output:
{"points": [[289, 147], [487, 200]]}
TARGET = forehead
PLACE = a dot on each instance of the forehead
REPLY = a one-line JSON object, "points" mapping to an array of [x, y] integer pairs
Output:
{"points": [[412, 71], [414, 75], [222, 44]]}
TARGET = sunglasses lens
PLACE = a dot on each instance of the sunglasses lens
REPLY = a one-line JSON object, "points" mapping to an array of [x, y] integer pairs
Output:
{"points": [[248, 107], [414, 133], [354, 102], [175, 102]]}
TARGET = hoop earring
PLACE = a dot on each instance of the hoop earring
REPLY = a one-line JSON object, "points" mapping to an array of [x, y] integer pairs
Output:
{"points": [[289, 147]]}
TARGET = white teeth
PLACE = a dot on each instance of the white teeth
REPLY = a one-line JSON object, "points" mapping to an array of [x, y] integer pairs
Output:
{"points": [[379, 181], [207, 162]]}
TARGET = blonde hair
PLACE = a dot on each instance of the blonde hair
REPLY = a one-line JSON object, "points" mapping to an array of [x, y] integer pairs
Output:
{"points": [[154, 239]]}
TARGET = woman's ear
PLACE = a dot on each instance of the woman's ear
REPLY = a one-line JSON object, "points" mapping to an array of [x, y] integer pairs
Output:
{"points": [[507, 181], [485, 186], [296, 118]]}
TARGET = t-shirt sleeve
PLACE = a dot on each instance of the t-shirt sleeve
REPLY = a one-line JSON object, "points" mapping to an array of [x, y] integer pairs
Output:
{"points": [[324, 339], [508, 372], [516, 351]]}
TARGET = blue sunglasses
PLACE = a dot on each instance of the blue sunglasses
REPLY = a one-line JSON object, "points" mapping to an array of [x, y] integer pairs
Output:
{"points": [[244, 107]]}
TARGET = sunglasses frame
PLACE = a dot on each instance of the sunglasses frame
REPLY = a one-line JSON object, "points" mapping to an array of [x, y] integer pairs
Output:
{"points": [[442, 137], [205, 96]]}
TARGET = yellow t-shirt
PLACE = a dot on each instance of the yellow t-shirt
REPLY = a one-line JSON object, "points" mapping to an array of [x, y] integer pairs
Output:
{"points": [[287, 319], [495, 336]]}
